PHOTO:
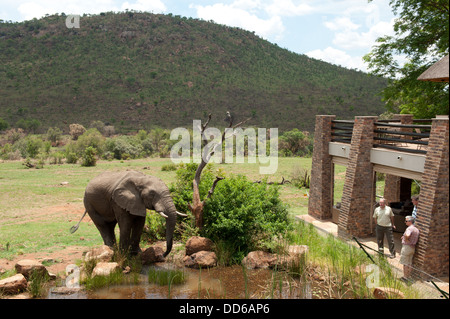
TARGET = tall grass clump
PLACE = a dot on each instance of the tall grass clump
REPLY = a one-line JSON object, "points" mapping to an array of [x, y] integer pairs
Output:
{"points": [[347, 267], [164, 277]]}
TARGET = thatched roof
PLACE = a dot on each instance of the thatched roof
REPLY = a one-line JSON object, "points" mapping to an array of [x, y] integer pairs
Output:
{"points": [[438, 72]]}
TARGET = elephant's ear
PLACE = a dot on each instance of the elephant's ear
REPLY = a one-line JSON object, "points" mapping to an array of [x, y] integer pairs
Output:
{"points": [[128, 197]]}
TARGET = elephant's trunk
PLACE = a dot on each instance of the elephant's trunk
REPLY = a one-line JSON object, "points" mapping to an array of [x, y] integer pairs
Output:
{"points": [[171, 213]]}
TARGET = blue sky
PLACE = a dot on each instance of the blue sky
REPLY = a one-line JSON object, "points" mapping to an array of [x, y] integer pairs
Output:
{"points": [[336, 31]]}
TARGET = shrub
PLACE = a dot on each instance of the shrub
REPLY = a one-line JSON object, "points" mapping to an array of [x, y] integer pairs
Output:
{"points": [[123, 147], [29, 146], [244, 215], [89, 158], [54, 135], [76, 130], [3, 124]]}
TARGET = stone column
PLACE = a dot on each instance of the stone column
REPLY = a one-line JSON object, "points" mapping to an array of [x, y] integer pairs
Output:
{"points": [[321, 189], [432, 251], [358, 195]]}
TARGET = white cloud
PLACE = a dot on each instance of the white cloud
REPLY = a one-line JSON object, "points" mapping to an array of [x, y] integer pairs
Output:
{"points": [[288, 8], [338, 57], [341, 23], [235, 15], [347, 38]]}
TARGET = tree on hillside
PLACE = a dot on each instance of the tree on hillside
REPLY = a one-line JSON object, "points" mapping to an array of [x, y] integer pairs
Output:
{"points": [[422, 36]]}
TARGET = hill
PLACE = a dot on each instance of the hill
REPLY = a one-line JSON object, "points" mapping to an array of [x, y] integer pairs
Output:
{"points": [[139, 70]]}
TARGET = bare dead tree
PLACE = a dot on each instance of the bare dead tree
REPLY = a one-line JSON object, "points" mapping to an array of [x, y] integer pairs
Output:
{"points": [[197, 204]]}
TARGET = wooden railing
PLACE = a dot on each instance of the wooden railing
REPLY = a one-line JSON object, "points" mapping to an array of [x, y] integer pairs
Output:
{"points": [[389, 134], [342, 131], [410, 138]]}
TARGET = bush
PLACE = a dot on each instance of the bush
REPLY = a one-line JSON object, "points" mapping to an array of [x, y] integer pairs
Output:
{"points": [[29, 146], [244, 215], [124, 147], [182, 189], [89, 158]]}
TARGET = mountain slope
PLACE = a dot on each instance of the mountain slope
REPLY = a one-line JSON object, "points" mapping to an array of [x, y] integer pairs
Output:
{"points": [[138, 70]]}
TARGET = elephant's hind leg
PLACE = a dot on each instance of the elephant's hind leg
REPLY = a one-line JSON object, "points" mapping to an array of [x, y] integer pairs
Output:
{"points": [[106, 228]]}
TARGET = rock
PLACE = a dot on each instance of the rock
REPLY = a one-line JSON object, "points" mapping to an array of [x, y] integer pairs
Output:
{"points": [[103, 253], [197, 243], [259, 259], [27, 266], [262, 259], [387, 293], [13, 285], [105, 268], [201, 259], [154, 253], [297, 251], [64, 290]]}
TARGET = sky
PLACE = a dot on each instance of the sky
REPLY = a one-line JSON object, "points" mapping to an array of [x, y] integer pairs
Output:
{"points": [[336, 31]]}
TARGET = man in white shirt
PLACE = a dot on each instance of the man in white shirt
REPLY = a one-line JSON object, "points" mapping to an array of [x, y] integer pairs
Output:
{"points": [[384, 219]]}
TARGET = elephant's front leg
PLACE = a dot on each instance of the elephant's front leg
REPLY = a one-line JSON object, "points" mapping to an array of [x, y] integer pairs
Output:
{"points": [[125, 221], [136, 232]]}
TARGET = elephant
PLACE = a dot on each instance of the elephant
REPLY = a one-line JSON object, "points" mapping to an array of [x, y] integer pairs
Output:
{"points": [[122, 198]]}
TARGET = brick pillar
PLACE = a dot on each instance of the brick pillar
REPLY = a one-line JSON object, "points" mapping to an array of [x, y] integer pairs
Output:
{"points": [[358, 195], [432, 251], [321, 184], [392, 186]]}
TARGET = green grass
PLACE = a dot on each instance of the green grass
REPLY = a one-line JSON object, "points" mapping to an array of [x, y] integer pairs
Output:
{"points": [[32, 201]]}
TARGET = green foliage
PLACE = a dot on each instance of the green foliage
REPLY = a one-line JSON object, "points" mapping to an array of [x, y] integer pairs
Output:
{"points": [[421, 32], [124, 147], [3, 124], [295, 143], [29, 146], [182, 190], [243, 215], [164, 277], [30, 125], [54, 134], [189, 65], [155, 228], [88, 158]]}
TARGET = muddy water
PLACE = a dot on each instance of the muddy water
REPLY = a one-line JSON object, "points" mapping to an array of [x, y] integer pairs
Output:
{"points": [[221, 282]]}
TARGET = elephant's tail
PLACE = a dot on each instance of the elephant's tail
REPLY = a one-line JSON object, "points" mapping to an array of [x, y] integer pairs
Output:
{"points": [[75, 228]]}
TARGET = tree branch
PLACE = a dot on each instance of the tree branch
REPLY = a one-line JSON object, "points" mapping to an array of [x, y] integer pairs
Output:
{"points": [[213, 187]]}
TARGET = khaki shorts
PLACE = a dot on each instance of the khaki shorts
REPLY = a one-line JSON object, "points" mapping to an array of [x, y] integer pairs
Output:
{"points": [[406, 255]]}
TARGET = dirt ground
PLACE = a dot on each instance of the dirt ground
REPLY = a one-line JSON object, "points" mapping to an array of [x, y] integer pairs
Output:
{"points": [[58, 259]]}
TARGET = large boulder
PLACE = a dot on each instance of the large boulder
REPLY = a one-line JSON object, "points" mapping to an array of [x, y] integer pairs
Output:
{"points": [[154, 253], [13, 285], [105, 268], [103, 253], [201, 259], [197, 243], [259, 259], [296, 254], [27, 266]]}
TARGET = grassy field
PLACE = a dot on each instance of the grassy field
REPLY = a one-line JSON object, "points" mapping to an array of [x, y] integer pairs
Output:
{"points": [[38, 206]]}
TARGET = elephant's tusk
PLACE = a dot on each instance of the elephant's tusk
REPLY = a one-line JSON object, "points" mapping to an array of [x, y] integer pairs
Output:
{"points": [[163, 215], [183, 215]]}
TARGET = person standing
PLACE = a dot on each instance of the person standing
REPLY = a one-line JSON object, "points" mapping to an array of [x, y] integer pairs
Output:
{"points": [[409, 241], [384, 219]]}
